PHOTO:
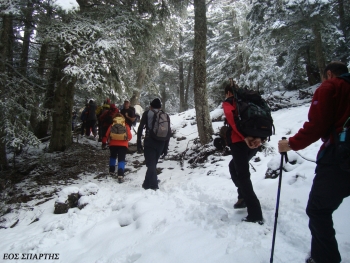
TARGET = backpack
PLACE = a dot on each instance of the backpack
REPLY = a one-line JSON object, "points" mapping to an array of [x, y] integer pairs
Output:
{"points": [[253, 115], [342, 144], [118, 129], [160, 129]]}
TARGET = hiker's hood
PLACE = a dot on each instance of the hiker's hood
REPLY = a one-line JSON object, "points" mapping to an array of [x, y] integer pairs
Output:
{"points": [[345, 76]]}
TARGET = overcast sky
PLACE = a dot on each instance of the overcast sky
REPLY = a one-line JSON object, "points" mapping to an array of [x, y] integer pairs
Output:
{"points": [[67, 4]]}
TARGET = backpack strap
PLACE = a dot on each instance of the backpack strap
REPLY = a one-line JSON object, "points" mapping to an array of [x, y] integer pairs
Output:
{"points": [[237, 104]]}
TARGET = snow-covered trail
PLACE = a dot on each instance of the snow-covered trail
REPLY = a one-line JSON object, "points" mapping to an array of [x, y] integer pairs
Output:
{"points": [[190, 219]]}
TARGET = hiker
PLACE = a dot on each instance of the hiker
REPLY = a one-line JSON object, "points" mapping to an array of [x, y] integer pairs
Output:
{"points": [[128, 112], [91, 119], [74, 119], [106, 118], [138, 112], [118, 135], [153, 146], [99, 111], [242, 150], [83, 118], [329, 110]]}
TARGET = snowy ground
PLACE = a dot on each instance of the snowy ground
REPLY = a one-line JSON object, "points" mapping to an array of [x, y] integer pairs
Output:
{"points": [[189, 220]]}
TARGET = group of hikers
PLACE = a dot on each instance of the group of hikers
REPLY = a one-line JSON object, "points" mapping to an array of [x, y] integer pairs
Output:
{"points": [[114, 129], [96, 119], [328, 114]]}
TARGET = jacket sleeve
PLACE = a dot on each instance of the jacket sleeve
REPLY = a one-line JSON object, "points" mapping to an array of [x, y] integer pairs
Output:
{"points": [[105, 137], [128, 132], [229, 111], [321, 118], [142, 124], [102, 116]]}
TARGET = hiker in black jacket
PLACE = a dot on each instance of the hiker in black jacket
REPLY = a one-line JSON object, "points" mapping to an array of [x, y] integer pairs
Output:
{"points": [[152, 148], [91, 119]]}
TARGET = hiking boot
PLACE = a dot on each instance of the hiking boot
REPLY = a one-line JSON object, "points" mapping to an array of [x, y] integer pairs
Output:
{"points": [[310, 260], [146, 187], [121, 179], [250, 220], [120, 175], [240, 204], [112, 174]]}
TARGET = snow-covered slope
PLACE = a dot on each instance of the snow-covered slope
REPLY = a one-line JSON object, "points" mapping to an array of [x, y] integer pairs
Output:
{"points": [[190, 219]]}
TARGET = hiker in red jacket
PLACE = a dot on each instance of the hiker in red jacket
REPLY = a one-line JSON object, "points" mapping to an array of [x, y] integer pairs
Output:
{"points": [[118, 135], [242, 150], [329, 110], [106, 118]]}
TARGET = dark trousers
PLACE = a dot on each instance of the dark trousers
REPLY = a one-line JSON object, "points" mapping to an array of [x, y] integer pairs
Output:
{"points": [[152, 151], [330, 186], [100, 131], [83, 126], [240, 175], [90, 127], [120, 152]]}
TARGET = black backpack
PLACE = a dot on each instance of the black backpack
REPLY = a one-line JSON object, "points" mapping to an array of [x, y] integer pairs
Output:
{"points": [[253, 115], [342, 146], [160, 129]]}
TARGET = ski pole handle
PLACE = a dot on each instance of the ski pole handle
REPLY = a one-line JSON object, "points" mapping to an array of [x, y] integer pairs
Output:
{"points": [[285, 153]]}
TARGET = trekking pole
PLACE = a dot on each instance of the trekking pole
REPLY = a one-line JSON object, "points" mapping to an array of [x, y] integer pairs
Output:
{"points": [[283, 155]]}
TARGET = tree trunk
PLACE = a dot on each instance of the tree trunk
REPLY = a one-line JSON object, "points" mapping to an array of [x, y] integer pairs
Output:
{"points": [[28, 31], [61, 137], [34, 122], [344, 27], [181, 77], [42, 58], [6, 55], [42, 127], [204, 124], [309, 69], [135, 99], [319, 49], [164, 96], [188, 85], [342, 19]]}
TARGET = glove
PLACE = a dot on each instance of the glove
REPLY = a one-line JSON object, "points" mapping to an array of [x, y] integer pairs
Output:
{"points": [[104, 146], [139, 146]]}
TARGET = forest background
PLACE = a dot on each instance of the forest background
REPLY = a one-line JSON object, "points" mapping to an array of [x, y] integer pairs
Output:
{"points": [[53, 60]]}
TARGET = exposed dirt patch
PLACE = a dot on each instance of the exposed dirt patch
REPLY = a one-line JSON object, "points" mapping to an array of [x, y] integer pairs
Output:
{"points": [[33, 172]]}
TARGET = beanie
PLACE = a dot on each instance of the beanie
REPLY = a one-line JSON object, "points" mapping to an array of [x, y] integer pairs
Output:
{"points": [[156, 103]]}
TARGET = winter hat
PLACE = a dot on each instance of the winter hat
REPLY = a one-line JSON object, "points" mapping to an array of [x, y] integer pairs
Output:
{"points": [[156, 103]]}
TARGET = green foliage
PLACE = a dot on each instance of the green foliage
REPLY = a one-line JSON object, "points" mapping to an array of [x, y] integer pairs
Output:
{"points": [[15, 110]]}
